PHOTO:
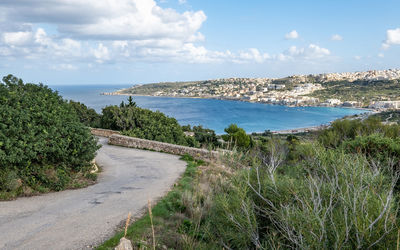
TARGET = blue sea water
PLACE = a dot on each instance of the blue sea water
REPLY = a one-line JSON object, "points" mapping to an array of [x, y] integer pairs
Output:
{"points": [[214, 114]]}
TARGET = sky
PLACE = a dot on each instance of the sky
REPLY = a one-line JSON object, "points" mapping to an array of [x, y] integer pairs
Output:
{"points": [[75, 42]]}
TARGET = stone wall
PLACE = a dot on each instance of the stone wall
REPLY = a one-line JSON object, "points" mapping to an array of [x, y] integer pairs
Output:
{"points": [[132, 142], [103, 132]]}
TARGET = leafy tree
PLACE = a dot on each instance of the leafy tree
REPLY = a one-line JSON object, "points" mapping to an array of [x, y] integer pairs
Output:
{"points": [[186, 128], [237, 136], [108, 120], [205, 136]]}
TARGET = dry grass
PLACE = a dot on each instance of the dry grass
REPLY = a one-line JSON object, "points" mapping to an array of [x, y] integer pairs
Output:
{"points": [[127, 224], [152, 225]]}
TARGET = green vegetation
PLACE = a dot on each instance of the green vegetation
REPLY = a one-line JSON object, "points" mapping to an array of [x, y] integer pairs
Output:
{"points": [[361, 91], [333, 200], [43, 145], [146, 124], [391, 116], [204, 136], [345, 130], [149, 89], [335, 189], [167, 215], [143, 123], [237, 136], [338, 188], [86, 115]]}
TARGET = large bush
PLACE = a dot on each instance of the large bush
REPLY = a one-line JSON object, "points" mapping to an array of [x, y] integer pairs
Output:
{"points": [[376, 147], [87, 116], [346, 129], [42, 142], [143, 123], [204, 136]]}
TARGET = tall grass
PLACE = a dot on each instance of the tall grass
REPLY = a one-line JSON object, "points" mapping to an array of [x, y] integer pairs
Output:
{"points": [[279, 197], [333, 200]]}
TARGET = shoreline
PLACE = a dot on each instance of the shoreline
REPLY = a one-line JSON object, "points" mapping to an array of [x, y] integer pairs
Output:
{"points": [[368, 112], [237, 100], [300, 130], [322, 126]]}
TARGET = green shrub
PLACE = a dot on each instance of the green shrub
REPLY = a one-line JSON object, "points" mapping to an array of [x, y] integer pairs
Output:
{"points": [[206, 137], [144, 123], [334, 200], [375, 146], [39, 132], [346, 129], [87, 116]]}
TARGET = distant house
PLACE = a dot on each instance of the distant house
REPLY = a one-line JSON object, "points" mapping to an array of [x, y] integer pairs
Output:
{"points": [[351, 104], [331, 102], [385, 105], [250, 97], [276, 86], [187, 133]]}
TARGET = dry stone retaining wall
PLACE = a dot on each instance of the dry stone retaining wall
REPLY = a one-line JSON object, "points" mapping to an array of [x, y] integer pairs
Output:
{"points": [[104, 132], [132, 142]]}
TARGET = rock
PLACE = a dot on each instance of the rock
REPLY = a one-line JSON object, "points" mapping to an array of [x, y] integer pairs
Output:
{"points": [[94, 169], [124, 244]]}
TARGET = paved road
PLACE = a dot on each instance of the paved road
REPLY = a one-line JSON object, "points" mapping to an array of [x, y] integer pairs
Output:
{"points": [[76, 219]]}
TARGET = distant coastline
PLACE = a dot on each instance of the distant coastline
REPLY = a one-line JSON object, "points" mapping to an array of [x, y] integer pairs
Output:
{"points": [[369, 90], [315, 128], [253, 117], [368, 111], [238, 100]]}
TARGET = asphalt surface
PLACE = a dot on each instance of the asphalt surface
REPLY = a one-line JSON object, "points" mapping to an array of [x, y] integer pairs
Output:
{"points": [[83, 218]]}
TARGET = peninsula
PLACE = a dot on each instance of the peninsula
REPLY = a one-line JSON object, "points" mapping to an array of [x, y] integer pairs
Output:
{"points": [[375, 89]]}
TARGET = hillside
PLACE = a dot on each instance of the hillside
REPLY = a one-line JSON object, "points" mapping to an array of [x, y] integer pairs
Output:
{"points": [[151, 88], [358, 89]]}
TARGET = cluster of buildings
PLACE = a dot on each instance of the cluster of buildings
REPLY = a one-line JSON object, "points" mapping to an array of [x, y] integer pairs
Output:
{"points": [[385, 105], [249, 89], [371, 75], [292, 91]]}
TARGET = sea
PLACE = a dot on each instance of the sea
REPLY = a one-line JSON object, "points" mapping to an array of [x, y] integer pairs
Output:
{"points": [[211, 113]]}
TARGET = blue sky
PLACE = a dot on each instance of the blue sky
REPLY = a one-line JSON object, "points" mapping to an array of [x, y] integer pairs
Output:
{"points": [[141, 41]]}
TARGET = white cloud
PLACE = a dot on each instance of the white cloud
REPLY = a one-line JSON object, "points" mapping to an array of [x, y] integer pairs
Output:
{"points": [[64, 66], [381, 55], [392, 38], [93, 32], [292, 35], [83, 25], [311, 52], [17, 38], [101, 53], [336, 37], [106, 19], [252, 54], [182, 1], [357, 57]]}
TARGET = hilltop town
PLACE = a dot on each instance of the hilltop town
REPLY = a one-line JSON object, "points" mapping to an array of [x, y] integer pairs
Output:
{"points": [[371, 89]]}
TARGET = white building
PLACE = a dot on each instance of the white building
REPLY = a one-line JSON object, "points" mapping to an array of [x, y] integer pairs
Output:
{"points": [[385, 105]]}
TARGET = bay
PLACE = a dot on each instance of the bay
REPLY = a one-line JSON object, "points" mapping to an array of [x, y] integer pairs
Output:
{"points": [[214, 114]]}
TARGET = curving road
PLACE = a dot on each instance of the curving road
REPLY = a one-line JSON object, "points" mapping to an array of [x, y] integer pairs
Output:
{"points": [[80, 219]]}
